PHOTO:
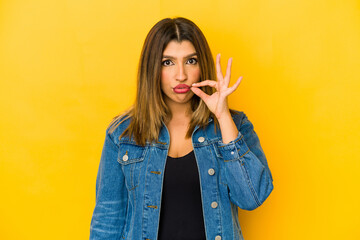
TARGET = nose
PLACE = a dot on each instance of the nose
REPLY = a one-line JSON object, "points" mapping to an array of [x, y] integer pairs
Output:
{"points": [[181, 74]]}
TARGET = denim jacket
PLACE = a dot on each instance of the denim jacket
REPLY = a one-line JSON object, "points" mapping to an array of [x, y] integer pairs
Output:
{"points": [[130, 178]]}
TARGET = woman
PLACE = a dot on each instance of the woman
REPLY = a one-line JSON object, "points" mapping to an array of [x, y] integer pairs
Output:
{"points": [[179, 162]]}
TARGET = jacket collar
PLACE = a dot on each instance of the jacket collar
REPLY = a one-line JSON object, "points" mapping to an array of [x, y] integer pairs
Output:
{"points": [[164, 137]]}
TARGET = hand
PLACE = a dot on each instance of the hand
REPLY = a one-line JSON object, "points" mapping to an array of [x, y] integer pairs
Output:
{"points": [[217, 102]]}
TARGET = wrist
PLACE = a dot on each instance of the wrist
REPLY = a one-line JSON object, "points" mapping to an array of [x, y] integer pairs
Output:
{"points": [[224, 116], [228, 128]]}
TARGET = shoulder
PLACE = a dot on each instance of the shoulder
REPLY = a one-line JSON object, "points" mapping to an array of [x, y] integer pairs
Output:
{"points": [[238, 116], [117, 126], [242, 122]]}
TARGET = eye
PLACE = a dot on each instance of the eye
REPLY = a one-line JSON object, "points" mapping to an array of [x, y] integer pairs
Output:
{"points": [[166, 62], [192, 61]]}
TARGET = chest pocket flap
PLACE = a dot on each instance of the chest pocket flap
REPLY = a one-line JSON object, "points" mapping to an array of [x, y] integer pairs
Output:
{"points": [[130, 153]]}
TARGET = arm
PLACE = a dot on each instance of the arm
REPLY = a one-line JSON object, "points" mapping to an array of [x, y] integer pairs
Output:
{"points": [[246, 172], [229, 132], [108, 218], [242, 160]]}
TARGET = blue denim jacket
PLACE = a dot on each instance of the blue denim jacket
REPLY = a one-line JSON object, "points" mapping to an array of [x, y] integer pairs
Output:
{"points": [[130, 177]]}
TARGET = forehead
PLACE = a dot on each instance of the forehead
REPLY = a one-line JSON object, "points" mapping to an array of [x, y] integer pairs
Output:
{"points": [[175, 48]]}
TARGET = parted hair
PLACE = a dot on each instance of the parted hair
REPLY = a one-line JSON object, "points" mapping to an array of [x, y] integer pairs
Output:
{"points": [[149, 111]]}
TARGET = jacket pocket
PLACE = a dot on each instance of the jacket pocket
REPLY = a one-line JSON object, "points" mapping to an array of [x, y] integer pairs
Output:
{"points": [[131, 157]]}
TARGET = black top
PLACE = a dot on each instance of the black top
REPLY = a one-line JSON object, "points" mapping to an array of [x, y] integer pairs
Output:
{"points": [[181, 215]]}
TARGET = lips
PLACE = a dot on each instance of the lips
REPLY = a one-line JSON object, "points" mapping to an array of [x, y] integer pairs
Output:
{"points": [[181, 88]]}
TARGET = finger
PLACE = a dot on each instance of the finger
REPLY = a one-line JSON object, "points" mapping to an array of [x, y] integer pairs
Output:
{"points": [[235, 86], [228, 72], [219, 74], [200, 93], [210, 83]]}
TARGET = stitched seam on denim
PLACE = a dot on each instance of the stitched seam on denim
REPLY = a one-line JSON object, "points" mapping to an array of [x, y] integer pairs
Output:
{"points": [[239, 139], [155, 172], [132, 175], [134, 160], [224, 184], [222, 146], [244, 153], [219, 211], [220, 176], [133, 193], [203, 144], [129, 162], [143, 204], [112, 142], [250, 185], [238, 157], [216, 150], [141, 166], [152, 206], [232, 160], [161, 191], [133, 188]]}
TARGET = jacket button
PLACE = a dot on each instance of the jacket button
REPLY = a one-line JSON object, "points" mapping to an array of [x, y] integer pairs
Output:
{"points": [[125, 157], [201, 139], [214, 204], [211, 171], [218, 237]]}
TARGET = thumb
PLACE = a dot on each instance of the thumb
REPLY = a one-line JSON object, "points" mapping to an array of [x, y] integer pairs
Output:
{"points": [[200, 93]]}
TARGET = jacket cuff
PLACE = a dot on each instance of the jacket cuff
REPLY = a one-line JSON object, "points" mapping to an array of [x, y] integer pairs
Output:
{"points": [[233, 150]]}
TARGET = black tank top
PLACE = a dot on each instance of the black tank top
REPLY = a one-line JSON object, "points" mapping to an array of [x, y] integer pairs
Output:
{"points": [[181, 215]]}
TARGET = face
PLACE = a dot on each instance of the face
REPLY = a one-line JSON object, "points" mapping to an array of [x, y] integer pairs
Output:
{"points": [[180, 69]]}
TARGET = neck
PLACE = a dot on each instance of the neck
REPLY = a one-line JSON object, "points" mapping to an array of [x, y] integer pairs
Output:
{"points": [[180, 111]]}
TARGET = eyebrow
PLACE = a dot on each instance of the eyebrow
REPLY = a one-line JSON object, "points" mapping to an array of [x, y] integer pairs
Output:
{"points": [[171, 57]]}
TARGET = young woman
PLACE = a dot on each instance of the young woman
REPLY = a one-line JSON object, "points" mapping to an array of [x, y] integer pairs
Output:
{"points": [[179, 162]]}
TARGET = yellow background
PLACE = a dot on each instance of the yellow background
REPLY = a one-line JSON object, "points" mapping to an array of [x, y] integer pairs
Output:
{"points": [[68, 66]]}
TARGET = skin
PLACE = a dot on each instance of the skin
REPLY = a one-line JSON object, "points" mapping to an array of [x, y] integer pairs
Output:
{"points": [[180, 67], [217, 102]]}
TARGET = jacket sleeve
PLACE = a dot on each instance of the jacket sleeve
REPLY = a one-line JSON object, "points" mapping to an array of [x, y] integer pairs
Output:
{"points": [[108, 218], [244, 164]]}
